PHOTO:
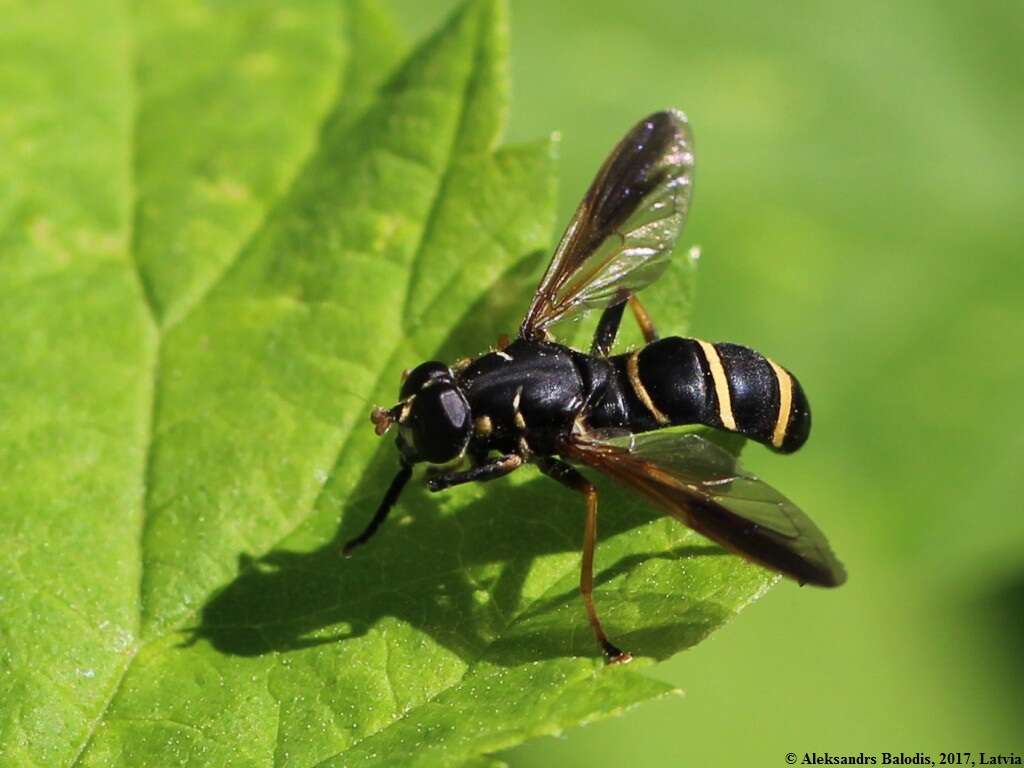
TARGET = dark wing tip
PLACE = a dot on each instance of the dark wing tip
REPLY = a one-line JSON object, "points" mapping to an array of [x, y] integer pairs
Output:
{"points": [[675, 121], [670, 126], [829, 573], [671, 114]]}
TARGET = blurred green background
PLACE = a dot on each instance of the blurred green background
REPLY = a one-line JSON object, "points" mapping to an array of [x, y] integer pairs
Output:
{"points": [[858, 201]]}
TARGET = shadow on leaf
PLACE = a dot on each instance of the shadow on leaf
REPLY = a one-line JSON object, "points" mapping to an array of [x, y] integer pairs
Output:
{"points": [[1000, 613], [472, 579], [458, 578]]}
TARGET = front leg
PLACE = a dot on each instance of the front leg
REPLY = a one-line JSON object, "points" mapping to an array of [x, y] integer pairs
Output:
{"points": [[389, 500], [490, 470]]}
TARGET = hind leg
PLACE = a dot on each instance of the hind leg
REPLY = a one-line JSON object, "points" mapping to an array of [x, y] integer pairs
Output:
{"points": [[611, 319], [643, 319], [570, 478]]}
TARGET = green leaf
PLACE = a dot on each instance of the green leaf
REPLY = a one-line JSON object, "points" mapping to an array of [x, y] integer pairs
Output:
{"points": [[229, 228]]}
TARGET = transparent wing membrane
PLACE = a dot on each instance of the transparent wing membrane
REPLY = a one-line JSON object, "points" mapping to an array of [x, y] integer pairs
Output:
{"points": [[623, 232], [702, 485]]}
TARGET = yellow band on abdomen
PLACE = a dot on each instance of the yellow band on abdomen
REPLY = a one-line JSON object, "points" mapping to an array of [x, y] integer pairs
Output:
{"points": [[633, 371], [785, 402], [721, 384]]}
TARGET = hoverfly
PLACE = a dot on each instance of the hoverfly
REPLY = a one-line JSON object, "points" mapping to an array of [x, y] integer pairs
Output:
{"points": [[537, 401]]}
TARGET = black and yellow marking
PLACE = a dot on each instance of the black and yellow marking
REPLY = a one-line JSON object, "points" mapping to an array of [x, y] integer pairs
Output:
{"points": [[677, 381], [633, 371], [483, 426], [534, 399], [718, 376], [517, 416], [406, 411], [768, 404], [675, 374], [785, 409], [519, 421], [754, 391]]}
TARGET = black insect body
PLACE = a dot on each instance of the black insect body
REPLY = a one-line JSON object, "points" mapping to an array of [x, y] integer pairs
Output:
{"points": [[538, 401]]}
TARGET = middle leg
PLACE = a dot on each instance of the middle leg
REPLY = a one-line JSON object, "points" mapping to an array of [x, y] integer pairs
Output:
{"points": [[611, 319]]}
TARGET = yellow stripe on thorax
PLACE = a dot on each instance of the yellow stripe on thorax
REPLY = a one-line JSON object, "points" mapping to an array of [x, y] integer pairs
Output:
{"points": [[721, 384]]}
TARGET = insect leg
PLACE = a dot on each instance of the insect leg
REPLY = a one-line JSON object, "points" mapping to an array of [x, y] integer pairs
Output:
{"points": [[643, 319], [607, 330], [499, 467], [611, 319], [393, 492], [569, 477]]}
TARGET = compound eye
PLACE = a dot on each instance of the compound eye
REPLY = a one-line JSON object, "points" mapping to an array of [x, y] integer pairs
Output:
{"points": [[439, 424]]}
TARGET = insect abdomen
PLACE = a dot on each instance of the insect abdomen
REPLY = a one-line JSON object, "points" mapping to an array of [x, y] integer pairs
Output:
{"points": [[689, 381]]}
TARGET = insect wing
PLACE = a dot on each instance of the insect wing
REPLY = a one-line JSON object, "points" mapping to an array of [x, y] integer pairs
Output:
{"points": [[702, 485], [623, 232]]}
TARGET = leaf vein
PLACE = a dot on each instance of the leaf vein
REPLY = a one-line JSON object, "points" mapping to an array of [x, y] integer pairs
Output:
{"points": [[260, 226], [134, 81], [425, 236]]}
